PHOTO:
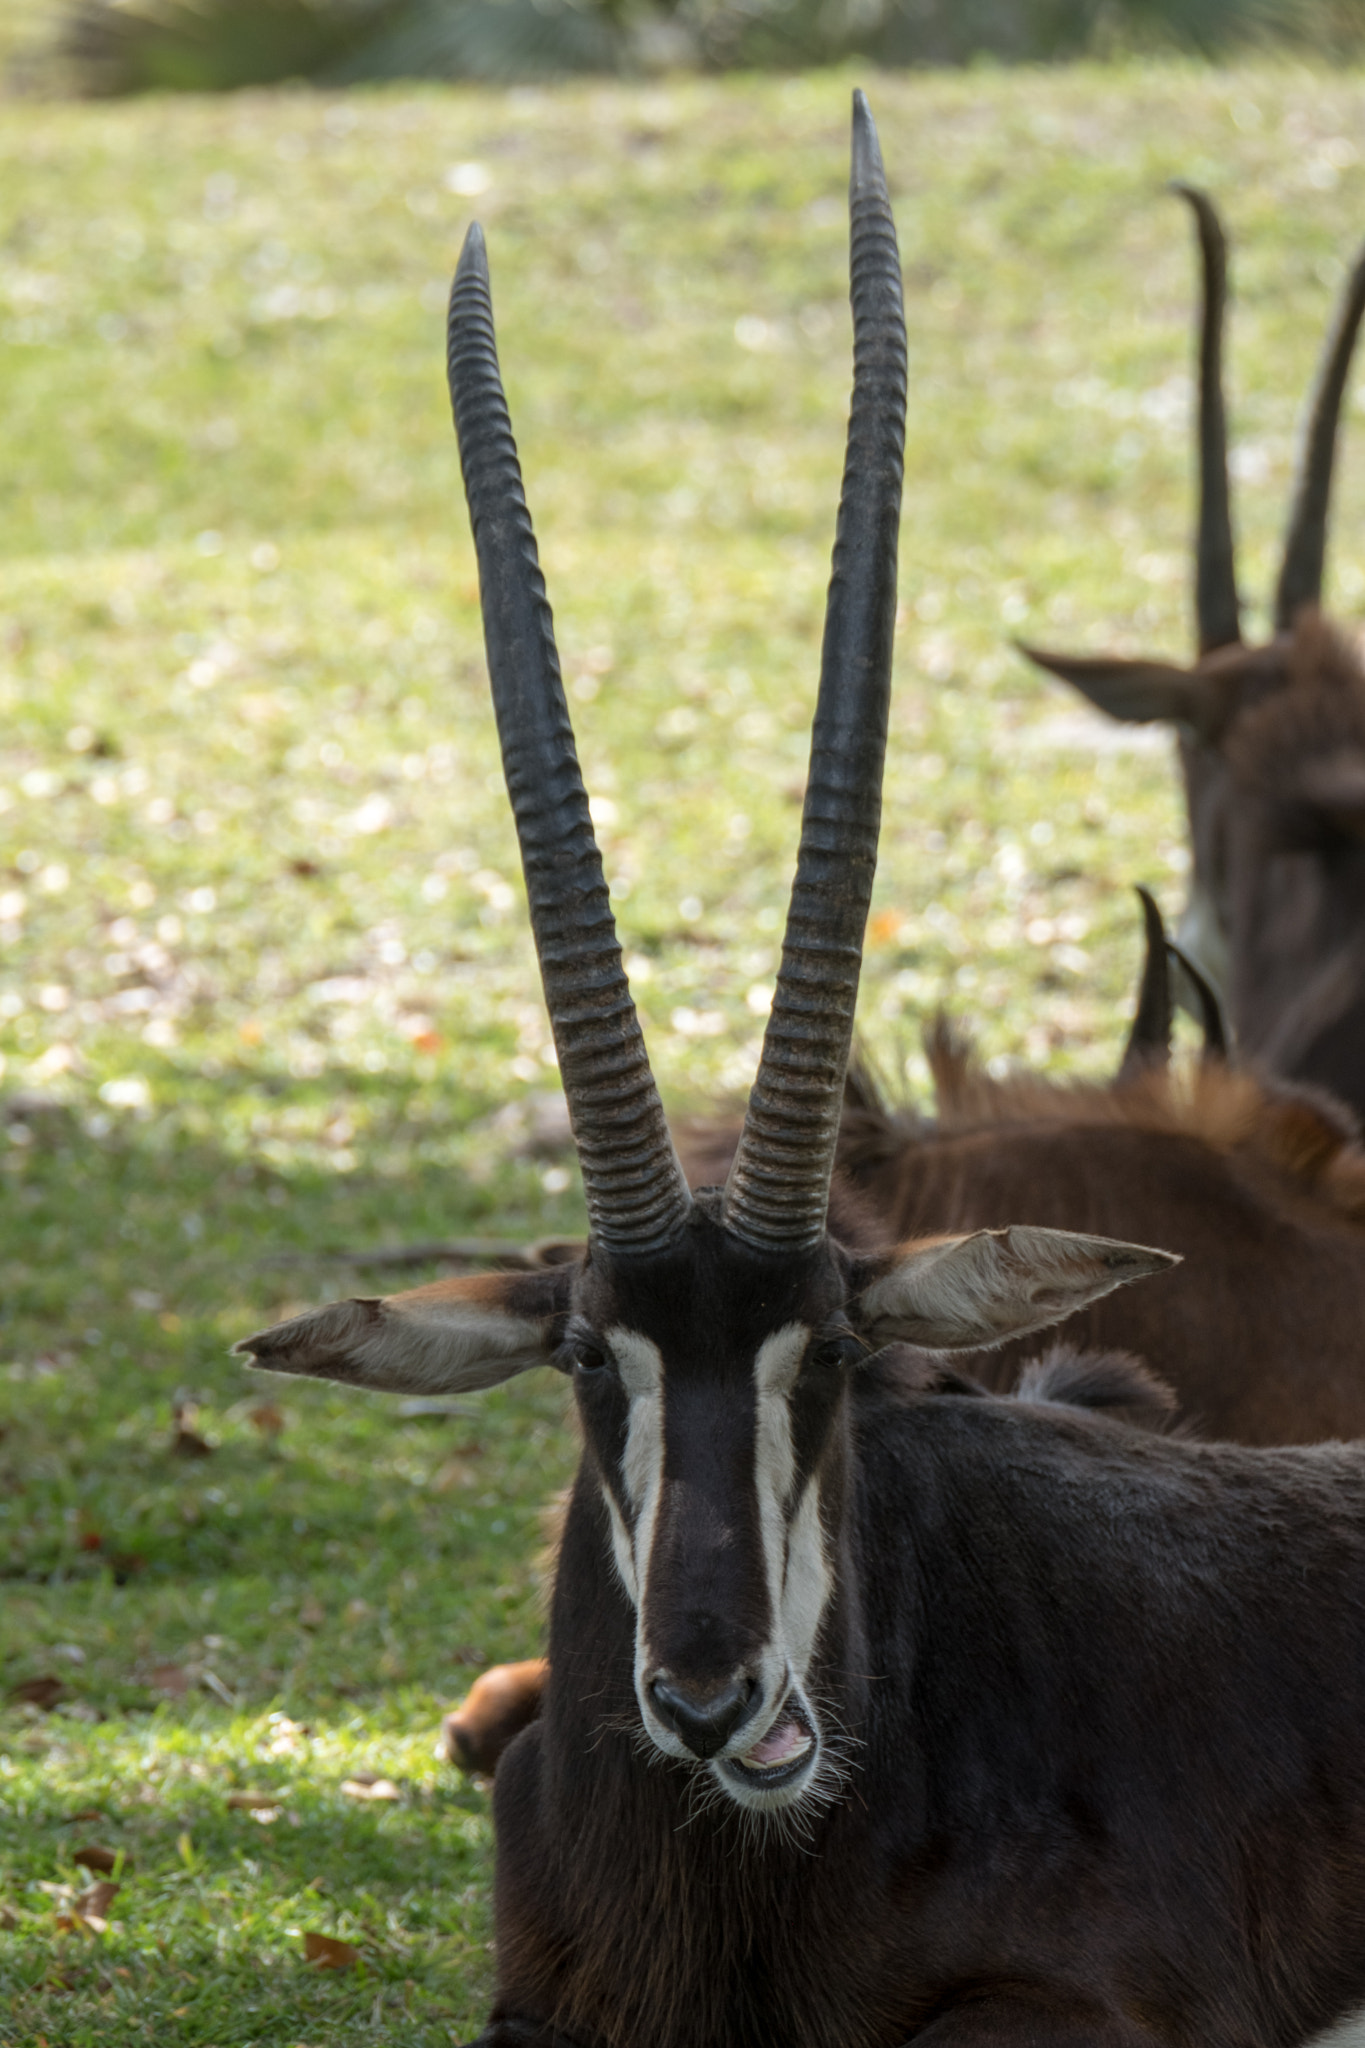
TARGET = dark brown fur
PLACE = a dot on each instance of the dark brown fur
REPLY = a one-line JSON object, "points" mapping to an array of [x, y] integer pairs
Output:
{"points": [[1258, 1185]]}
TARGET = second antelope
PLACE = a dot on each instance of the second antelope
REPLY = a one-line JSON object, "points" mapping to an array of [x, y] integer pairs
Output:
{"points": [[1272, 741]]}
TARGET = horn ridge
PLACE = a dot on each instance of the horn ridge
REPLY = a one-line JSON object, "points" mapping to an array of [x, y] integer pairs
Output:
{"points": [[1217, 609], [778, 1189], [637, 1197], [1305, 547]]}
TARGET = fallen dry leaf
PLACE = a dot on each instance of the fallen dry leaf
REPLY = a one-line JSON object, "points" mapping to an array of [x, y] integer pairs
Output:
{"points": [[41, 1692], [267, 1418], [171, 1679], [325, 1952], [9, 1919], [97, 1899], [81, 1923], [249, 1801], [363, 1786], [86, 1814], [94, 1857], [186, 1441], [312, 1614]]}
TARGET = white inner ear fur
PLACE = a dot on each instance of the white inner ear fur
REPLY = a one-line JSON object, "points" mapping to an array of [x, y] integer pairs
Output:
{"points": [[799, 1577], [409, 1344], [641, 1367], [967, 1293]]}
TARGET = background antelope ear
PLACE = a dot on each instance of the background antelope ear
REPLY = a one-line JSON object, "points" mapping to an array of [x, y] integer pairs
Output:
{"points": [[1135, 691], [450, 1338], [970, 1293]]}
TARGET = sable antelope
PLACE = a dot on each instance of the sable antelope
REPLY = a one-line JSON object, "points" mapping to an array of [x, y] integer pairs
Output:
{"points": [[878, 1709], [1272, 743]]}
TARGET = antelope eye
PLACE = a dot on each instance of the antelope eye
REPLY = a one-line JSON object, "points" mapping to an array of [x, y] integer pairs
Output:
{"points": [[830, 1353], [589, 1358]]}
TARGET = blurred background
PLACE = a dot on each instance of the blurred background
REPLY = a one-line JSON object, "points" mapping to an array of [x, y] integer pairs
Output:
{"points": [[120, 46], [270, 1025]]}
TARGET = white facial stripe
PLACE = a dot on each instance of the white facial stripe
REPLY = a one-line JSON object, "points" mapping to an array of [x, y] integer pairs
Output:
{"points": [[642, 1375], [798, 1573], [809, 1582]]}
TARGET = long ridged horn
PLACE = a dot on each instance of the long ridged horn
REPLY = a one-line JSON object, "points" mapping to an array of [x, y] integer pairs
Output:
{"points": [[1217, 611], [1305, 547], [778, 1189], [637, 1197]]}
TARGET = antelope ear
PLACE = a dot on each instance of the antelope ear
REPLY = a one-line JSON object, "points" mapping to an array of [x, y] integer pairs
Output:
{"points": [[970, 1293], [1137, 692], [450, 1338]]}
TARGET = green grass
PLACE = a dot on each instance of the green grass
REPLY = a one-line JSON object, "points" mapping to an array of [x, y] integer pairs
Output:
{"points": [[265, 980]]}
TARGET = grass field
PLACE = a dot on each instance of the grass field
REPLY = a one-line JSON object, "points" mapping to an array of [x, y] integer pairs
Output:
{"points": [[265, 980]]}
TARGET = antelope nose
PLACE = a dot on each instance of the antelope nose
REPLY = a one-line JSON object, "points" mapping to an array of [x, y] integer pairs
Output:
{"points": [[704, 1724]]}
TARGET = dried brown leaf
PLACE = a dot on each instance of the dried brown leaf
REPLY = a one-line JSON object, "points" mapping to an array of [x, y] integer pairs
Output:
{"points": [[41, 1692], [312, 1614], [250, 1801], [267, 1418], [95, 1857], [9, 1919], [325, 1952], [86, 1815], [97, 1899], [170, 1679], [363, 1786], [81, 1923], [187, 1443]]}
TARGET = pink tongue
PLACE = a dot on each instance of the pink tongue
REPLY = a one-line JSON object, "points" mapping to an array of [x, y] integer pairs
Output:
{"points": [[779, 1745]]}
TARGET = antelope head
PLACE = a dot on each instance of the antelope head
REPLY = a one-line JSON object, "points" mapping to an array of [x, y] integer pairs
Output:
{"points": [[711, 1338], [1272, 736]]}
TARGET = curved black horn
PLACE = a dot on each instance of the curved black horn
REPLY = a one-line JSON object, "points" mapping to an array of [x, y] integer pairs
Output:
{"points": [[1305, 547], [1217, 612], [1211, 1017], [1149, 1041], [778, 1188], [637, 1197]]}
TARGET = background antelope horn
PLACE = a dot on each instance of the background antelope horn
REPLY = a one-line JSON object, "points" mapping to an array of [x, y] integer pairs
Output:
{"points": [[637, 1197], [1305, 547], [778, 1189], [1217, 612], [1149, 1041], [1210, 1016]]}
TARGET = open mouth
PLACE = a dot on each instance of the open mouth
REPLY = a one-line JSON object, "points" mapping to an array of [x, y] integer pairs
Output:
{"points": [[779, 1757]]}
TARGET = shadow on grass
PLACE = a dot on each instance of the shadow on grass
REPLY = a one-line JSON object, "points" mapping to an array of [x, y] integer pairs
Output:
{"points": [[332, 1543]]}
